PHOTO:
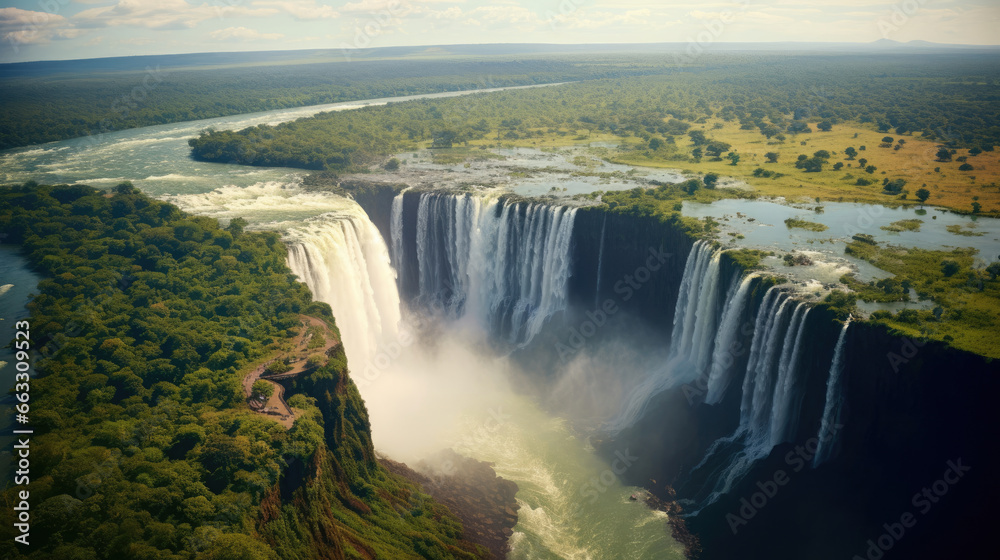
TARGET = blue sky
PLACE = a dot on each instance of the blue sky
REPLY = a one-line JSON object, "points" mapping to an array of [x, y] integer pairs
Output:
{"points": [[68, 29]]}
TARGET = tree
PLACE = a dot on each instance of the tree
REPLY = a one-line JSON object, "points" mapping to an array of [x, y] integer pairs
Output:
{"points": [[698, 137], [923, 195], [943, 154], [799, 126], [862, 163], [770, 131], [710, 180], [825, 126], [262, 388], [851, 153], [949, 267], [888, 139], [965, 167], [993, 270], [392, 165], [772, 157], [125, 187], [236, 226], [443, 139], [715, 148], [655, 144], [838, 166], [871, 169], [697, 154], [733, 157], [822, 154], [976, 207], [895, 186]]}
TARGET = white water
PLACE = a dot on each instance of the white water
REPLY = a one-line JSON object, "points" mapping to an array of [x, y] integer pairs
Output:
{"points": [[345, 263], [503, 266], [424, 393], [834, 401], [692, 338], [725, 351], [396, 232], [771, 392]]}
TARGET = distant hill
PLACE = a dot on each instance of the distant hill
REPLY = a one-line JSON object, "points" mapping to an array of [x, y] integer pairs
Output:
{"points": [[311, 56]]}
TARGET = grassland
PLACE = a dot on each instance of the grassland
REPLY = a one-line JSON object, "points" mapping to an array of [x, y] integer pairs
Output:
{"points": [[967, 300], [915, 162]]}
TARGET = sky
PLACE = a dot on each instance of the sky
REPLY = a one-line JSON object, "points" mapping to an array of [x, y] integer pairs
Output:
{"points": [[72, 29]]}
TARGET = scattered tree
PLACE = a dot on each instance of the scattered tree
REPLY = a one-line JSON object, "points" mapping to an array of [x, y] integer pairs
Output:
{"points": [[772, 157], [965, 167], [392, 165], [715, 148], [733, 157], [710, 180], [943, 154], [949, 267], [851, 153], [698, 137], [923, 195], [262, 388], [825, 126]]}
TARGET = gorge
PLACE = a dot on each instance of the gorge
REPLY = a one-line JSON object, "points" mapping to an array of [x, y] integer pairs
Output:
{"points": [[588, 351]]}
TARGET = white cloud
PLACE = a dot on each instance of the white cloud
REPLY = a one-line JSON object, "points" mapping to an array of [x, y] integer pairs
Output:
{"points": [[25, 27], [161, 14], [242, 34], [302, 9]]}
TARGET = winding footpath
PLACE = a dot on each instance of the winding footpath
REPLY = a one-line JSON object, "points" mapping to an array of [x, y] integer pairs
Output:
{"points": [[276, 407]]}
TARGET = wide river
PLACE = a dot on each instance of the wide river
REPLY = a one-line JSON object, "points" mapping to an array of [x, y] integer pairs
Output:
{"points": [[572, 504]]}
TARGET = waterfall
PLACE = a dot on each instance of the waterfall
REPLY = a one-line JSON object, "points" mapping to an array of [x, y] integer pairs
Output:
{"points": [[834, 401], [396, 232], [344, 261], [722, 358], [600, 264], [502, 264], [788, 389], [692, 338], [772, 391]]}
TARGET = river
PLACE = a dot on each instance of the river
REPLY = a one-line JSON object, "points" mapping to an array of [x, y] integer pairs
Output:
{"points": [[572, 503]]}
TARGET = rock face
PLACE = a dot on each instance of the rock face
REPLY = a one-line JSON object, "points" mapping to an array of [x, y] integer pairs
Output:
{"points": [[471, 489]]}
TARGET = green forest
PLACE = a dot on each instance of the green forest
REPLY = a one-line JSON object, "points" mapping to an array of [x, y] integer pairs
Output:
{"points": [[71, 104], [144, 447], [946, 98]]}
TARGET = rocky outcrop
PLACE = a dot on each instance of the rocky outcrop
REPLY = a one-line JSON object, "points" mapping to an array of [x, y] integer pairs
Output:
{"points": [[471, 489]]}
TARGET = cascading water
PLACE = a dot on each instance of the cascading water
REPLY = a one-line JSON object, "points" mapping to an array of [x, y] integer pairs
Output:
{"points": [[396, 232], [771, 391], [345, 263], [722, 357], [503, 264], [692, 339], [834, 401]]}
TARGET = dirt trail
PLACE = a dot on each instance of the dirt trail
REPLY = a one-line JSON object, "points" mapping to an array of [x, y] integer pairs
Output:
{"points": [[276, 408]]}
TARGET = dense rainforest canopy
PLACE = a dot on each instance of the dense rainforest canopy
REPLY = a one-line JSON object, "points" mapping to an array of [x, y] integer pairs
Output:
{"points": [[144, 447]]}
